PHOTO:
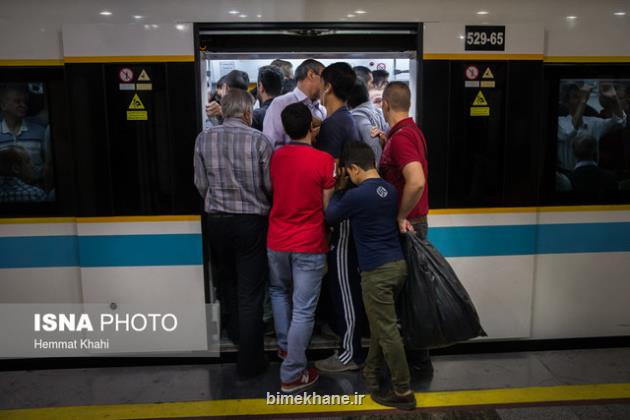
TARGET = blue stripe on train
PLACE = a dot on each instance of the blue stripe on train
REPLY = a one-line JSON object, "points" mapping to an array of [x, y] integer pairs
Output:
{"points": [[100, 251], [186, 249]]}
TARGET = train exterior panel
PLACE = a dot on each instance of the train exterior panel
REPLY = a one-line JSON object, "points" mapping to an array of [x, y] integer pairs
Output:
{"points": [[535, 270]]}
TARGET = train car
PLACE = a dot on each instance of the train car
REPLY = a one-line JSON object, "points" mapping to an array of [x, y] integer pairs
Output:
{"points": [[112, 215]]}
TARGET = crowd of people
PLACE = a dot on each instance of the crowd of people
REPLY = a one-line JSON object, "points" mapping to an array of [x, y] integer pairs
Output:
{"points": [[593, 146], [306, 197], [25, 158]]}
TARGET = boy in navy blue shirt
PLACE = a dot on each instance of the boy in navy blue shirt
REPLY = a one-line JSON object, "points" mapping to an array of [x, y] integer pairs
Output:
{"points": [[372, 208]]}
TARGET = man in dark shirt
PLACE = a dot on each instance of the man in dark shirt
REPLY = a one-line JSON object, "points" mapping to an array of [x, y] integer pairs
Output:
{"points": [[338, 128], [346, 312], [372, 208], [269, 86]]}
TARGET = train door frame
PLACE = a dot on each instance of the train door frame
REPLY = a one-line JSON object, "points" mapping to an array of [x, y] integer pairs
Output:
{"points": [[410, 32]]}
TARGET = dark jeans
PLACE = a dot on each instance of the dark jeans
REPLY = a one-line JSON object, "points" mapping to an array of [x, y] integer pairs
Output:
{"points": [[238, 255], [418, 358]]}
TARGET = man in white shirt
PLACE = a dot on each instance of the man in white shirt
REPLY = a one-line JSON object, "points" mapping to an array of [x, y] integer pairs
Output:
{"points": [[575, 123], [308, 76]]}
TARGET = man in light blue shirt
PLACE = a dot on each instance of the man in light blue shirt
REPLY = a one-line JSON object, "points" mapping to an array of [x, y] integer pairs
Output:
{"points": [[308, 76]]}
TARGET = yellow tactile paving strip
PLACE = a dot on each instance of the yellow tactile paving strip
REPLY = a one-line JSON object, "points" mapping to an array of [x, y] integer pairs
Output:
{"points": [[259, 407]]}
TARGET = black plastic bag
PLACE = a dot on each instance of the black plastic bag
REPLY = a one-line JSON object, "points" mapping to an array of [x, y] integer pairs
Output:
{"points": [[433, 307]]}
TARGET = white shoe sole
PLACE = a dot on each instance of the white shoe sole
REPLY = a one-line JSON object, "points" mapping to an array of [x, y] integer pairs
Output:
{"points": [[298, 387]]}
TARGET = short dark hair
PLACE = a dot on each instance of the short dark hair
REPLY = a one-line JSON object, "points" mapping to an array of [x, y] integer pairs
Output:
{"points": [[236, 79], [359, 94], [296, 120], [380, 77], [271, 78], [310, 64], [341, 77], [362, 73], [398, 96], [360, 154]]}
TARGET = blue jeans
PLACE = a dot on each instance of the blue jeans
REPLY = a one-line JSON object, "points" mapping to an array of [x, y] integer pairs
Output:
{"points": [[295, 280]]}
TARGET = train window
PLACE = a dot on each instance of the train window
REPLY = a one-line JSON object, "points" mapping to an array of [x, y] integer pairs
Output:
{"points": [[587, 155], [384, 67], [26, 164], [593, 137]]}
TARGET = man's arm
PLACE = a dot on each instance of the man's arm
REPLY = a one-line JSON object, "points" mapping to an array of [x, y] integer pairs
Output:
{"points": [[412, 191], [266, 151], [200, 178], [326, 196], [339, 207]]}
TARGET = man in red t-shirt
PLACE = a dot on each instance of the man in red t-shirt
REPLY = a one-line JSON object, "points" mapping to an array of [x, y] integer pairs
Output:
{"points": [[404, 160], [302, 180], [404, 165]]}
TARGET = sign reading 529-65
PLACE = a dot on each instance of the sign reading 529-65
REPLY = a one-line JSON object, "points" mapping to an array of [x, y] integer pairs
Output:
{"points": [[485, 38]]}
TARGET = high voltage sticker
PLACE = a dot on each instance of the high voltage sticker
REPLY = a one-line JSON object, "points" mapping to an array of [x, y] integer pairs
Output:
{"points": [[136, 111], [487, 74]]}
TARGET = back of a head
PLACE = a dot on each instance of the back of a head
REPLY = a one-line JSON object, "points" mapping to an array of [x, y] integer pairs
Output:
{"points": [[398, 96], [271, 78], [310, 64], [285, 66], [358, 153], [362, 73], [236, 103], [237, 79], [341, 77], [359, 94], [381, 77], [296, 120], [585, 147]]}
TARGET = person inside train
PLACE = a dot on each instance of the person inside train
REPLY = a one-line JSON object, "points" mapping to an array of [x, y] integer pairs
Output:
{"points": [[308, 76], [588, 177], [343, 282], [366, 117], [231, 173], [365, 75], [285, 66], [235, 79], [576, 122], [269, 87], [380, 79], [18, 129], [17, 176], [404, 164], [303, 179], [371, 208], [614, 146]]}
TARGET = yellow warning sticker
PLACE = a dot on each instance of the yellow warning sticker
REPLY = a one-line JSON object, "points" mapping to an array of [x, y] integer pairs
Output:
{"points": [[136, 103], [144, 77], [484, 84], [480, 100], [486, 74], [137, 116], [480, 111]]}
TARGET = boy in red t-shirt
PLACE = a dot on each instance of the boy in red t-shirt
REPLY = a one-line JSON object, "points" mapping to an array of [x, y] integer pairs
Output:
{"points": [[302, 179]]}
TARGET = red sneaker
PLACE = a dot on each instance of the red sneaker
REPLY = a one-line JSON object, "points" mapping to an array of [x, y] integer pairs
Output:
{"points": [[281, 354], [306, 379]]}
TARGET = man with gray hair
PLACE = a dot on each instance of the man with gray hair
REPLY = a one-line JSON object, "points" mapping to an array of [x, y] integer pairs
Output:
{"points": [[231, 163], [307, 75]]}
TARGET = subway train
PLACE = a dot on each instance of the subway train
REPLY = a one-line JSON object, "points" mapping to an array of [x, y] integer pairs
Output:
{"points": [[117, 94]]}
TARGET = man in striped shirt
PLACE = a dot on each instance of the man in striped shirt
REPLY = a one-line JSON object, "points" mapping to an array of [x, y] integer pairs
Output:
{"points": [[232, 175]]}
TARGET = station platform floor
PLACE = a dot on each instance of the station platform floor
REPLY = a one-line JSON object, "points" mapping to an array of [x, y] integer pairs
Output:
{"points": [[571, 385]]}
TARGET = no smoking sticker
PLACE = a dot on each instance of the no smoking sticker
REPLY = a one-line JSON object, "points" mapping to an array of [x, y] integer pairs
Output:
{"points": [[125, 75], [472, 72]]}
